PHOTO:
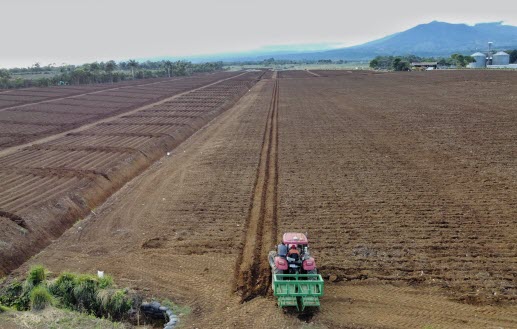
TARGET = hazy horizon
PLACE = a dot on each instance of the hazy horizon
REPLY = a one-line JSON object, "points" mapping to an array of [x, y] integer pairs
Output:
{"points": [[59, 31]]}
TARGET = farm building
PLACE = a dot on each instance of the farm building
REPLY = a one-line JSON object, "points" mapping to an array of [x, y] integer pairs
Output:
{"points": [[499, 60], [424, 65]]}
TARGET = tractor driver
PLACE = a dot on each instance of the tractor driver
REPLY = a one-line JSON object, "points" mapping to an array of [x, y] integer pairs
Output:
{"points": [[293, 252]]}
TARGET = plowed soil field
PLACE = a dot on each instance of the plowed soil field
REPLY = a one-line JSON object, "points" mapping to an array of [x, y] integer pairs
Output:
{"points": [[16, 97], [35, 117], [405, 183], [49, 185]]}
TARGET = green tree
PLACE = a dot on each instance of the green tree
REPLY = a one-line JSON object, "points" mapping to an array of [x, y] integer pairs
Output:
{"points": [[5, 76], [461, 60], [110, 66], [133, 65], [168, 67], [513, 56], [400, 65], [374, 63], [180, 68], [36, 67]]}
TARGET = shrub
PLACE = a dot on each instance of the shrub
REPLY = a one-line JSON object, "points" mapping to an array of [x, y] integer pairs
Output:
{"points": [[77, 292], [63, 289], [40, 297], [11, 293], [36, 275], [115, 303], [15, 296], [85, 293], [105, 282]]}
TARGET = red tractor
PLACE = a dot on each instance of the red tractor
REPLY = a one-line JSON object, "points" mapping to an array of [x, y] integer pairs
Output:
{"points": [[292, 256], [295, 280]]}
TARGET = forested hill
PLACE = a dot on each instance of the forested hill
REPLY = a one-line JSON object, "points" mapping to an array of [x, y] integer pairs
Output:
{"points": [[426, 40], [434, 39]]}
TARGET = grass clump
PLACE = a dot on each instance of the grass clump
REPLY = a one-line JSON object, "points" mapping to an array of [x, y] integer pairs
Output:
{"points": [[114, 302], [85, 293], [37, 274], [77, 292], [91, 294], [175, 308], [63, 288], [105, 282], [40, 297], [14, 296]]}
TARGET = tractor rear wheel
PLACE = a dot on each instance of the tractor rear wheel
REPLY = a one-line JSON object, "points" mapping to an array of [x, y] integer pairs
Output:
{"points": [[277, 271], [315, 271]]}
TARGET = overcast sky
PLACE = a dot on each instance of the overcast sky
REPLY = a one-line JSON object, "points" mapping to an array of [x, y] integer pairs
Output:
{"points": [[72, 31]]}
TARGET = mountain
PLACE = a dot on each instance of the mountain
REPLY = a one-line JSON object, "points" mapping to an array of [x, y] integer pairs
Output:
{"points": [[432, 39], [275, 51]]}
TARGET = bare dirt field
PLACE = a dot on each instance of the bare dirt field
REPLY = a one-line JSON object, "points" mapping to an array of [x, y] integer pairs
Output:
{"points": [[405, 183], [16, 97], [36, 116], [49, 185]]}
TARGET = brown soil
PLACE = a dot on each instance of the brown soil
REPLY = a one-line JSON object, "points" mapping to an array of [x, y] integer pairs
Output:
{"points": [[50, 185], [294, 74], [18, 98], [58, 115], [252, 270], [404, 181]]}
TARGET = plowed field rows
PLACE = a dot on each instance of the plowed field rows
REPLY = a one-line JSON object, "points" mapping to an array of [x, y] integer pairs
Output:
{"points": [[405, 183], [406, 177], [294, 74], [68, 113], [50, 184], [15, 97]]}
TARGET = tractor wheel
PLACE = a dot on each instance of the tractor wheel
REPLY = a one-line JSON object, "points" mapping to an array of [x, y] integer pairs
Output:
{"points": [[277, 271], [315, 271]]}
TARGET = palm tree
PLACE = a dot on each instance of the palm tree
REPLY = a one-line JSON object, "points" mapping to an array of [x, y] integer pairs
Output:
{"points": [[110, 67], [132, 64], [168, 67]]}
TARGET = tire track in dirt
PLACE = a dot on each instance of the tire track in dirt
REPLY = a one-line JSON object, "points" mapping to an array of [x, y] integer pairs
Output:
{"points": [[252, 269]]}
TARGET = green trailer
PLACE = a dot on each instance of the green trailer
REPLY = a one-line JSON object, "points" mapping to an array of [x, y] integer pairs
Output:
{"points": [[298, 290]]}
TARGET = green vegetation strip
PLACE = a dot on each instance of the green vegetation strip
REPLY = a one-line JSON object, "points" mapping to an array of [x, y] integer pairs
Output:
{"points": [[85, 293]]}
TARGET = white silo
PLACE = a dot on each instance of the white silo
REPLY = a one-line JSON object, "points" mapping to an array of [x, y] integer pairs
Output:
{"points": [[501, 58], [480, 60]]}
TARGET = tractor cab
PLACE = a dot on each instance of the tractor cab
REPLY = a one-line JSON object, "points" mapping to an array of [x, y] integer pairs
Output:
{"points": [[293, 255]]}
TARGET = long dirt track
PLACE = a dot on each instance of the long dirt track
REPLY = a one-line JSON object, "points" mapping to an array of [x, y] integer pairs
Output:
{"points": [[405, 182]]}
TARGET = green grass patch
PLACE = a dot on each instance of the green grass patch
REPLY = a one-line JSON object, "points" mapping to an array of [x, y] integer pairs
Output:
{"points": [[40, 297], [54, 318], [177, 309], [4, 308], [37, 274], [15, 295], [77, 292]]}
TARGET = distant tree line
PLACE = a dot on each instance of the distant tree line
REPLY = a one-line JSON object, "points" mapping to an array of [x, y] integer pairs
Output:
{"points": [[513, 55], [403, 63], [273, 61], [99, 72]]}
